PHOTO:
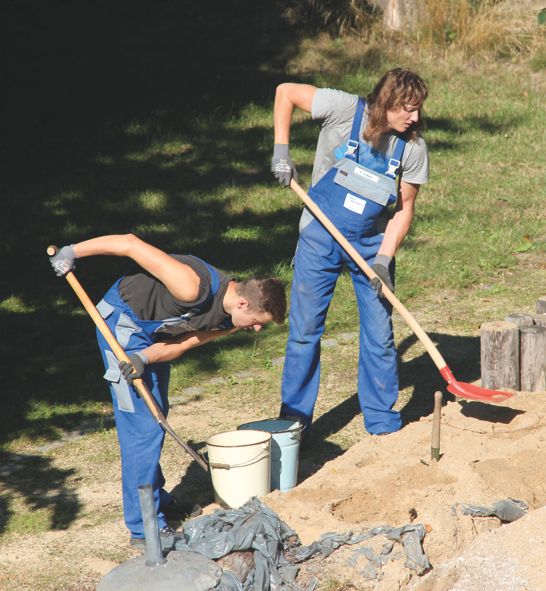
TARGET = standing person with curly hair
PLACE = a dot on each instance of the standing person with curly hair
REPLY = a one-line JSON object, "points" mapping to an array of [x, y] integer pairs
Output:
{"points": [[376, 143]]}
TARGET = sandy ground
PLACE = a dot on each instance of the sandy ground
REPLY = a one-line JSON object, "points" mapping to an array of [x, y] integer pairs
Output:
{"points": [[489, 452]]}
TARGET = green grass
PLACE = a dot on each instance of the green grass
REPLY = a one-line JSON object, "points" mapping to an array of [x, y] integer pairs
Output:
{"points": [[206, 189], [183, 161], [26, 522]]}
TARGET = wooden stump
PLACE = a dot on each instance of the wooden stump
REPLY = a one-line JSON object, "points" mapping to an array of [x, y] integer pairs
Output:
{"points": [[541, 305], [533, 358], [520, 319], [499, 355], [539, 319]]}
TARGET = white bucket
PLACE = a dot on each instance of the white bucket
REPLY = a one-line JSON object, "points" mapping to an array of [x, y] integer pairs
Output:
{"points": [[240, 466]]}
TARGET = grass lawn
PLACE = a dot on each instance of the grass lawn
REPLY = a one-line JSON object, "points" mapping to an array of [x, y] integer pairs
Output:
{"points": [[190, 173]]}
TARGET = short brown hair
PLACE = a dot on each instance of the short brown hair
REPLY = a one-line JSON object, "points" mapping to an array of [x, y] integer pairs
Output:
{"points": [[265, 294], [398, 87]]}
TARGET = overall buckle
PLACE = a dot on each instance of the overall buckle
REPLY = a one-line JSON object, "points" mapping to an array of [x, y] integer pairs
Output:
{"points": [[352, 147], [394, 165]]}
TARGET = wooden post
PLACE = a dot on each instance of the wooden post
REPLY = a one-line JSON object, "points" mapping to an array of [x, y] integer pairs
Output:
{"points": [[533, 358], [520, 319], [499, 355], [541, 305], [436, 420]]}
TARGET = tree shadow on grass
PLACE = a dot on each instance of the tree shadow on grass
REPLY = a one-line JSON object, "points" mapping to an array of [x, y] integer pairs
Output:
{"points": [[123, 118], [74, 377], [107, 104], [44, 489], [470, 124]]}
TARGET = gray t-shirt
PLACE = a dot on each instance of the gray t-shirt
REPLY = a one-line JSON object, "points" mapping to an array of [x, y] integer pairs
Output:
{"points": [[336, 109]]}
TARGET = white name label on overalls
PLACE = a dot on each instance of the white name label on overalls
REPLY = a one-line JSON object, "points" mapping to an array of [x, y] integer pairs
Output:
{"points": [[366, 174], [354, 203]]}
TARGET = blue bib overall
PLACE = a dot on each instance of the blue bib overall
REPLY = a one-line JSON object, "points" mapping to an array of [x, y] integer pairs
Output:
{"points": [[353, 194], [140, 436]]}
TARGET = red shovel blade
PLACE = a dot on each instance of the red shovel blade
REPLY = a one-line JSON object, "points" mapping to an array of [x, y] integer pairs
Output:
{"points": [[470, 391]]}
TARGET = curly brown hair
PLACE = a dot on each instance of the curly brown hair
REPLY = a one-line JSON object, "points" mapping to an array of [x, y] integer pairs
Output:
{"points": [[398, 87]]}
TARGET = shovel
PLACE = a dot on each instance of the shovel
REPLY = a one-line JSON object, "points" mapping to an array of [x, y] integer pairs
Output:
{"points": [[461, 389], [120, 354]]}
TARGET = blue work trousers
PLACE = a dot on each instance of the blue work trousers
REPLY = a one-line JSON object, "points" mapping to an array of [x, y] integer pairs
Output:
{"points": [[318, 263], [140, 436]]}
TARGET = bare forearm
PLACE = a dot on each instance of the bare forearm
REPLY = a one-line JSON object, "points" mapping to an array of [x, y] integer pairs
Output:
{"points": [[397, 229], [170, 350], [282, 117]]}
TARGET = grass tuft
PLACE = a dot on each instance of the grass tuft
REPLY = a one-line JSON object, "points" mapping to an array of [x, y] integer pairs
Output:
{"points": [[499, 30]]}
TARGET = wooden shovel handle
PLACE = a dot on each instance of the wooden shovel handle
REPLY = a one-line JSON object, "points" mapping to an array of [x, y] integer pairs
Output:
{"points": [[120, 354], [357, 258]]}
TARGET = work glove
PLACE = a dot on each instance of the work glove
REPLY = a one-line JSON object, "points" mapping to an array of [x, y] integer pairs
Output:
{"points": [[64, 261], [381, 268], [135, 369], [282, 166]]}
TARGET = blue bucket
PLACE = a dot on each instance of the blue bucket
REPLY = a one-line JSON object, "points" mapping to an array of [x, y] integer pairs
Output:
{"points": [[285, 448]]}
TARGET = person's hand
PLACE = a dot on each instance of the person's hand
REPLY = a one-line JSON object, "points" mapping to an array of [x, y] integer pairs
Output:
{"points": [[282, 166], [381, 268], [135, 369], [64, 261]]}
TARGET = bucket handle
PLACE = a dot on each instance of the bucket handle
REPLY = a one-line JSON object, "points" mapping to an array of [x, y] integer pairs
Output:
{"points": [[264, 453]]}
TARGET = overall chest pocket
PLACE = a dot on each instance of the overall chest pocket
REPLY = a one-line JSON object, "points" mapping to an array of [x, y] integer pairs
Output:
{"points": [[365, 182]]}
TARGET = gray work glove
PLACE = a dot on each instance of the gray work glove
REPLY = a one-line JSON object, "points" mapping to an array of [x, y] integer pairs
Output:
{"points": [[381, 268], [282, 166], [135, 369], [64, 261]]}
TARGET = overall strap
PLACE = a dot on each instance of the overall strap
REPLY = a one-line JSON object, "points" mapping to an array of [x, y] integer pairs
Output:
{"points": [[394, 162], [353, 143], [214, 277], [215, 286]]}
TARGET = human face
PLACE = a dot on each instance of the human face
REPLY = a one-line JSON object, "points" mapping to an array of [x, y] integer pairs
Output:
{"points": [[402, 118], [249, 319]]}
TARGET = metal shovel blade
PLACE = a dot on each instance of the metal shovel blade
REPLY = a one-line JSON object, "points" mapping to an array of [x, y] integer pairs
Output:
{"points": [[470, 391]]}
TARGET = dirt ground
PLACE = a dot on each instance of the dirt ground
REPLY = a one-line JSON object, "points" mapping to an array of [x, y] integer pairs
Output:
{"points": [[489, 453]]}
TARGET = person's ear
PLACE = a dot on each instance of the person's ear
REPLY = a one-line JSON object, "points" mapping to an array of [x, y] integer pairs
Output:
{"points": [[242, 304]]}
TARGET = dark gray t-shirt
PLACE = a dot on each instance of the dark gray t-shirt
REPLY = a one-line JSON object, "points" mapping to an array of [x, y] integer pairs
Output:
{"points": [[149, 299]]}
